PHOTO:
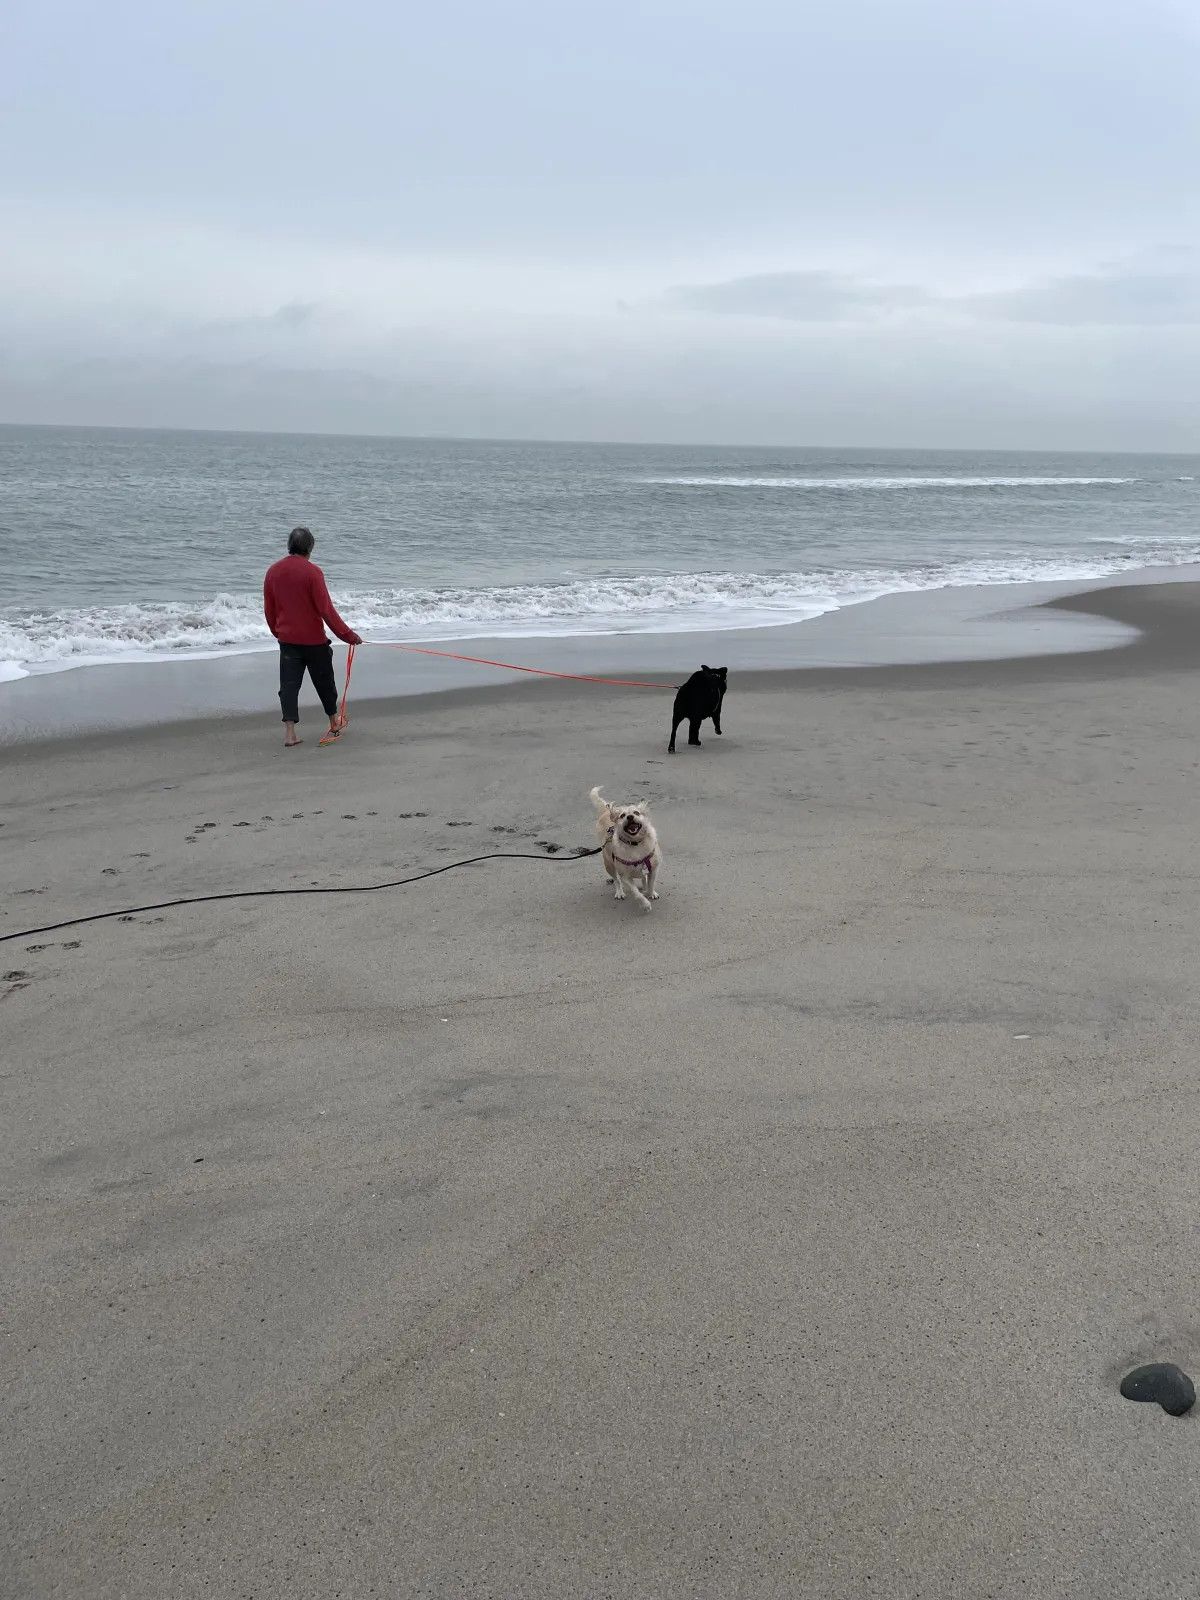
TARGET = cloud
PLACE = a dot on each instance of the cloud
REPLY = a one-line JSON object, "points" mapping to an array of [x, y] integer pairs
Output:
{"points": [[1108, 298], [1112, 299], [798, 297], [901, 383], [291, 318]]}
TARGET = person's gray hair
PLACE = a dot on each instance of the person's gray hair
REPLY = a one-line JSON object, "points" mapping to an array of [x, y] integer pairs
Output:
{"points": [[300, 542]]}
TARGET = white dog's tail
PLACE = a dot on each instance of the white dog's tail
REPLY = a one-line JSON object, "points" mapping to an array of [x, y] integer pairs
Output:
{"points": [[600, 804]]}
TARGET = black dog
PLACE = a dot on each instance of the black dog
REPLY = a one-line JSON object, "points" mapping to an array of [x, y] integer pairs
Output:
{"points": [[700, 697]]}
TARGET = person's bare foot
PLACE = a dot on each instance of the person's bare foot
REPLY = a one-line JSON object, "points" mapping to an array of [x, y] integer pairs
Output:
{"points": [[289, 744]]}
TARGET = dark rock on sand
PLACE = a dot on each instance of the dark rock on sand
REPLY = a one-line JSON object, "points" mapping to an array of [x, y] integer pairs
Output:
{"points": [[1161, 1381]]}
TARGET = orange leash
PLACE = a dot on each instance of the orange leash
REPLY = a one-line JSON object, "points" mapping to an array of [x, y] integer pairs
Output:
{"points": [[541, 672], [331, 737], [346, 685], [509, 666]]}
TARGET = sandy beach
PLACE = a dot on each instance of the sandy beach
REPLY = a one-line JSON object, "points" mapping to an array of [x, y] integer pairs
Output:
{"points": [[490, 1238]]}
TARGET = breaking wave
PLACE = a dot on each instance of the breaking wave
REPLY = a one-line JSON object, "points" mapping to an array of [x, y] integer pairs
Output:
{"points": [[680, 602]]}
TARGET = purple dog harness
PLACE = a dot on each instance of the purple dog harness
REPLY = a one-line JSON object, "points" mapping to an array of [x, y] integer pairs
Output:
{"points": [[644, 863]]}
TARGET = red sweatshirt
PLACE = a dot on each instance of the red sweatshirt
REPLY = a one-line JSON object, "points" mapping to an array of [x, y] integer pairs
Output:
{"points": [[297, 602]]}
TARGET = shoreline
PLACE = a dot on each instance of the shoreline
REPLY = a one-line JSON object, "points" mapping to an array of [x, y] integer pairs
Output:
{"points": [[893, 632], [1022, 628]]}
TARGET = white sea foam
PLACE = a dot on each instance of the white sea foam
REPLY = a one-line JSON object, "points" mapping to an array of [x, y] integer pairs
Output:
{"points": [[11, 670], [712, 481], [680, 602]]}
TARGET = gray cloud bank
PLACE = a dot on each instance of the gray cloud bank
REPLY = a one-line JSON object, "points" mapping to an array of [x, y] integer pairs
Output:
{"points": [[1104, 299], [1107, 358], [641, 377]]}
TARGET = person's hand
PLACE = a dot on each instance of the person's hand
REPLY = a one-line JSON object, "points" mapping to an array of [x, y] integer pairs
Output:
{"points": [[355, 638]]}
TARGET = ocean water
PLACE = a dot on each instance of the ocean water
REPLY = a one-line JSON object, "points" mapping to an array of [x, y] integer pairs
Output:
{"points": [[128, 545]]}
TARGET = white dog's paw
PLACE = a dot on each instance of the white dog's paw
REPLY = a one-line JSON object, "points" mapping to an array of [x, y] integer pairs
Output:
{"points": [[654, 894], [618, 893]]}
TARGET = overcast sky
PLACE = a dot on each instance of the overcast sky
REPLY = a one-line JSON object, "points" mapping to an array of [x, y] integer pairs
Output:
{"points": [[943, 222]]}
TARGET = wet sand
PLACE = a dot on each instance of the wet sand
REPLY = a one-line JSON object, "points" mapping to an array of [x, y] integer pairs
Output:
{"points": [[490, 1238], [953, 624]]}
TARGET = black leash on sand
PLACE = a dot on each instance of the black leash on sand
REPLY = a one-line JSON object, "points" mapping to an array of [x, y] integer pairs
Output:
{"points": [[258, 894]]}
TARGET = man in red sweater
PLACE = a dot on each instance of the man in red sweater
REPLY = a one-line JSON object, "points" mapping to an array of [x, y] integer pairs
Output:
{"points": [[297, 605]]}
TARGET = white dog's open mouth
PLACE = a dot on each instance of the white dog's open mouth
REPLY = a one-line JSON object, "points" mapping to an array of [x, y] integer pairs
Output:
{"points": [[632, 827]]}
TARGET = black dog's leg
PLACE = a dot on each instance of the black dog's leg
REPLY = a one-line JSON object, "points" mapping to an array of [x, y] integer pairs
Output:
{"points": [[674, 730], [694, 730], [717, 720]]}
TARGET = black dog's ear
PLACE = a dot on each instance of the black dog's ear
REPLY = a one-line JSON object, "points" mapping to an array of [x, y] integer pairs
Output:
{"points": [[703, 668], [722, 672]]}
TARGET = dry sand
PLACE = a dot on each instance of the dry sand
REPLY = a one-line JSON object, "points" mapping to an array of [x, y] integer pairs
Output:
{"points": [[490, 1238]]}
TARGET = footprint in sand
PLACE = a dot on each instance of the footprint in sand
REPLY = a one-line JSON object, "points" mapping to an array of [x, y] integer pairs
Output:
{"points": [[32, 949], [15, 976], [110, 872], [349, 816], [460, 824], [242, 824], [73, 944], [141, 855]]}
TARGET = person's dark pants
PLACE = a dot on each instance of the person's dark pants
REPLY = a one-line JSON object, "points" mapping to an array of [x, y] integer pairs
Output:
{"points": [[294, 660]]}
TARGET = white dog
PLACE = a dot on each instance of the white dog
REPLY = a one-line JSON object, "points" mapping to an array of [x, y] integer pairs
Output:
{"points": [[632, 855]]}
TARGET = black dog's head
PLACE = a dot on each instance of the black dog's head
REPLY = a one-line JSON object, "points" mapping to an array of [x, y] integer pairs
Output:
{"points": [[706, 687]]}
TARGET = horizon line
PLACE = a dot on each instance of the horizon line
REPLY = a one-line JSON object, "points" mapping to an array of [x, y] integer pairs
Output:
{"points": [[593, 444]]}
